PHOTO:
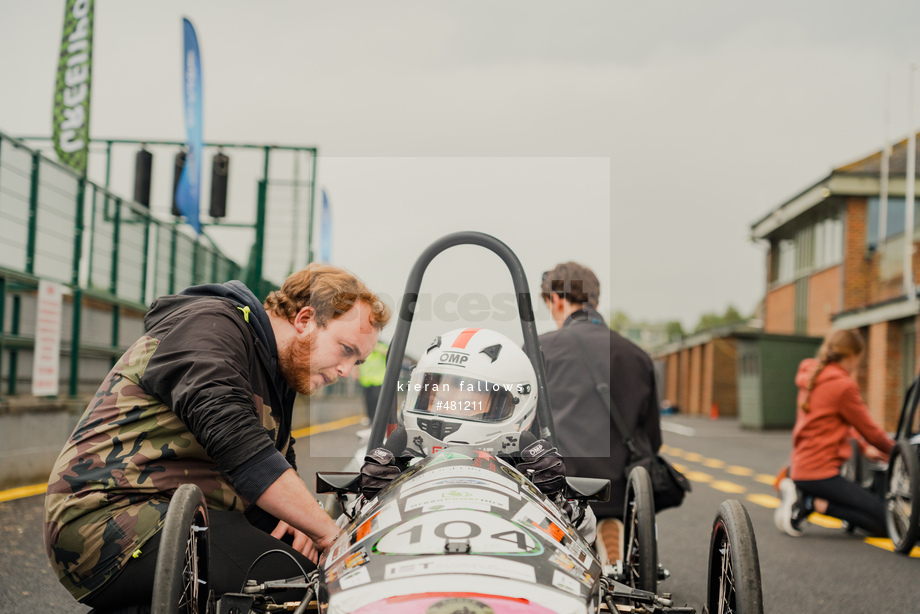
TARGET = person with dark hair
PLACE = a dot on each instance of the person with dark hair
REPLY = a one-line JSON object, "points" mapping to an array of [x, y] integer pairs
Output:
{"points": [[205, 397], [829, 408], [585, 433]]}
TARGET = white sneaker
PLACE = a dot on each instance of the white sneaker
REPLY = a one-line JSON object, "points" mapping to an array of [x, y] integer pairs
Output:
{"points": [[609, 540], [782, 516]]}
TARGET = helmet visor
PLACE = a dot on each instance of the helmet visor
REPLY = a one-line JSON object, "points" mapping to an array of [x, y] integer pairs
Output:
{"points": [[461, 397]]}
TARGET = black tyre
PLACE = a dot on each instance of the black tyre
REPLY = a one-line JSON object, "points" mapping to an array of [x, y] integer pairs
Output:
{"points": [[180, 583], [902, 512], [640, 538], [733, 582]]}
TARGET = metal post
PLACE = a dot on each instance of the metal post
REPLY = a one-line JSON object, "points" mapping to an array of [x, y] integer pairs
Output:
{"points": [[2, 314], [77, 295], [14, 353], [92, 235], [256, 268], [33, 215], [883, 194], [195, 247], [113, 282], [146, 259], [310, 257], [108, 162], [75, 341], [172, 259], [259, 245]]}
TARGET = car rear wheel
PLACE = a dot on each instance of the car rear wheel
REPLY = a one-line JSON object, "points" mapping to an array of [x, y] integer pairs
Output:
{"points": [[640, 543], [180, 584], [733, 582], [902, 512]]}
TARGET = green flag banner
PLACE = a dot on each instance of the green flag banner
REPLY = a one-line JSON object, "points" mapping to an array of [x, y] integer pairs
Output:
{"points": [[72, 88]]}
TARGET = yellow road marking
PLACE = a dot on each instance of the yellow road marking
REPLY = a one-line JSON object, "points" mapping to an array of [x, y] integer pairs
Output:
{"points": [[763, 478], [22, 492], [674, 451], [715, 463], [38, 489], [738, 470], [693, 457], [329, 426], [729, 487], [825, 521], [698, 476], [768, 501], [885, 544], [680, 467]]}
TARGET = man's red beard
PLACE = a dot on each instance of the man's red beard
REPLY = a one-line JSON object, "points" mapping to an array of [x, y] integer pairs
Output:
{"points": [[296, 367]]}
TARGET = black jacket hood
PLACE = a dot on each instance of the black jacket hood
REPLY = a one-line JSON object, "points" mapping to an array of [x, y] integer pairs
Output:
{"points": [[234, 291]]}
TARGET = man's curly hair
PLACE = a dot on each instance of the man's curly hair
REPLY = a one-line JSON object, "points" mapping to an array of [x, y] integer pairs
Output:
{"points": [[330, 291]]}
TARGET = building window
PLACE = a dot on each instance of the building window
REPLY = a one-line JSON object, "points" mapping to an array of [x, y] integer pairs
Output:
{"points": [[815, 244], [894, 219], [785, 261], [828, 242]]}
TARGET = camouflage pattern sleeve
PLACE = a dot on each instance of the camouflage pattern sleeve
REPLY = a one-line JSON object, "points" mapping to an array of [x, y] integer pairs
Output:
{"points": [[200, 370]]}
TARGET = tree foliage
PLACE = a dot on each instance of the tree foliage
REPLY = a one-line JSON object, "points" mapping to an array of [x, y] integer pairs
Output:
{"points": [[714, 320]]}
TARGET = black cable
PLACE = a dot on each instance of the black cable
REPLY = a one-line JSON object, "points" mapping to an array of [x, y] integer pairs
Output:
{"points": [[263, 555]]}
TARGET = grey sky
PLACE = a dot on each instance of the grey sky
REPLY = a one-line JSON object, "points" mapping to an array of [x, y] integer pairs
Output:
{"points": [[710, 113]]}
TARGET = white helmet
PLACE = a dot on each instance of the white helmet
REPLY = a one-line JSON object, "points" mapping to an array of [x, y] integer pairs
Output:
{"points": [[473, 386]]}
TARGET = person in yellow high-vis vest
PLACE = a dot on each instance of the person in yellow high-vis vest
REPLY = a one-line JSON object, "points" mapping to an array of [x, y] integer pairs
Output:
{"points": [[370, 376]]}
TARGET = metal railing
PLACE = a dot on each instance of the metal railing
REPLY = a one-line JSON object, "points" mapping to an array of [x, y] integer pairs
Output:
{"points": [[110, 252]]}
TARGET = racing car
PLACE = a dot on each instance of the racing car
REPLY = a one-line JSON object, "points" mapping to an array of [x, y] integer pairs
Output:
{"points": [[902, 481], [462, 531]]}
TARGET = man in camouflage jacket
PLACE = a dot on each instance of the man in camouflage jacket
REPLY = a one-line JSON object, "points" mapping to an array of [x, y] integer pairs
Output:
{"points": [[204, 397]]}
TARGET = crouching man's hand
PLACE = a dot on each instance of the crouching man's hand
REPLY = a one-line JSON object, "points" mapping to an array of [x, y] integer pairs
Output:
{"points": [[378, 471], [541, 464]]}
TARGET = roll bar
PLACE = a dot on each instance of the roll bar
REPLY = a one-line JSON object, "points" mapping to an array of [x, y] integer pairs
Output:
{"points": [[397, 351]]}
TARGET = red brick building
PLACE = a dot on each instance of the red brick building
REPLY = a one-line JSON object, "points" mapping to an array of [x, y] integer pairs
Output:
{"points": [[829, 267]]}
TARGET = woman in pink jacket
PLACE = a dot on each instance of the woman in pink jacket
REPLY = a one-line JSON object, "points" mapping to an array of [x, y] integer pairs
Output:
{"points": [[829, 409]]}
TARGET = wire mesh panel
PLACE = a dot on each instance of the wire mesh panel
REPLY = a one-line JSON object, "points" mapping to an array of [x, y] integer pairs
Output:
{"points": [[132, 261], [286, 229], [15, 181], [56, 221], [102, 240], [160, 259], [185, 254], [204, 264], [226, 269]]}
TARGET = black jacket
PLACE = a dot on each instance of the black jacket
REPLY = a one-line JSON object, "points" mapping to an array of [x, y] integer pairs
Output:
{"points": [[585, 434]]}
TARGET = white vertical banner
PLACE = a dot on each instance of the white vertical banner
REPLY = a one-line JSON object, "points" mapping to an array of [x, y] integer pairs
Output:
{"points": [[47, 357]]}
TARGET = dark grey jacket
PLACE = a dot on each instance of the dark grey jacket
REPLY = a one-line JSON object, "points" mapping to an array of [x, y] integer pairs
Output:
{"points": [[585, 434]]}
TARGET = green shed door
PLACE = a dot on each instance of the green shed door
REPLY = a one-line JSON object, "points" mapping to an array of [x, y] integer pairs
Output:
{"points": [[749, 390]]}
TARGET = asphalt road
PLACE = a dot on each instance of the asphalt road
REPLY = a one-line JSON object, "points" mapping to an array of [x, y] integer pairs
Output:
{"points": [[827, 570]]}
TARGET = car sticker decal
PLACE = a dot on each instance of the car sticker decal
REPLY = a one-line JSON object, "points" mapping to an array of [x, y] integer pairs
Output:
{"points": [[457, 495], [409, 489], [448, 456], [455, 471], [559, 558], [479, 565], [481, 533], [564, 582], [355, 578]]}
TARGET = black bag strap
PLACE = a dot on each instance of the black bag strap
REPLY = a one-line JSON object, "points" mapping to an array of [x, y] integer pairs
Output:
{"points": [[603, 389]]}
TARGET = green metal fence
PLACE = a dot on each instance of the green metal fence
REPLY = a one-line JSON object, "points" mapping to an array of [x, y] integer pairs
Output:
{"points": [[110, 252]]}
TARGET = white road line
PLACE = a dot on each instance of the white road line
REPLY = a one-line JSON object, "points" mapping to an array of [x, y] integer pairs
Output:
{"points": [[678, 429]]}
